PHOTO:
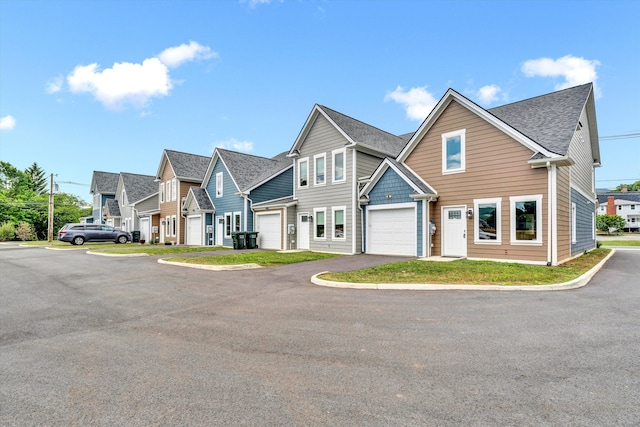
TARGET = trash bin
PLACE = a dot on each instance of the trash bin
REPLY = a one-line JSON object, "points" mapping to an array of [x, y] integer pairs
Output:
{"points": [[135, 236], [242, 239], [234, 238], [252, 240]]}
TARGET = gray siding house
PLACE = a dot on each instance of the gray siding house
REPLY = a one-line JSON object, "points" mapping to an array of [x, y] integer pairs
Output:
{"points": [[103, 187]]}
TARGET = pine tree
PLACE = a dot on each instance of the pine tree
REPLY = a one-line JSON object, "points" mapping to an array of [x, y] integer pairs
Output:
{"points": [[36, 177]]}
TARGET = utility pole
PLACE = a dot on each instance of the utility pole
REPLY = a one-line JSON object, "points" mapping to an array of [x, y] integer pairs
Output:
{"points": [[50, 227]]}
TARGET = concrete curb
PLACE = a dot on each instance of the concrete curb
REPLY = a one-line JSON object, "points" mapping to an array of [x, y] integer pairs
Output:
{"points": [[573, 284], [211, 267], [115, 255]]}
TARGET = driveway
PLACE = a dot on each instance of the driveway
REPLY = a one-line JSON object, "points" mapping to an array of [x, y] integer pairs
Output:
{"points": [[125, 341]]}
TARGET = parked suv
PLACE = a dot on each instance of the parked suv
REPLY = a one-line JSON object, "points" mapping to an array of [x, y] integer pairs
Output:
{"points": [[77, 234]]}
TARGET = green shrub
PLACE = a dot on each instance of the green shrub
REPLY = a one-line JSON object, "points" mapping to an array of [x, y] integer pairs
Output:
{"points": [[25, 231], [7, 231]]}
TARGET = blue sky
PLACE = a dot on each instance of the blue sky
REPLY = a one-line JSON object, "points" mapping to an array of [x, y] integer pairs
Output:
{"points": [[107, 85]]}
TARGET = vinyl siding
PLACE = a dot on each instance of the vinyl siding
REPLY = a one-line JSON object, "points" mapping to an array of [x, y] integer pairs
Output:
{"points": [[366, 164], [563, 208], [496, 166], [276, 188], [150, 204], [584, 223], [230, 202], [580, 152]]}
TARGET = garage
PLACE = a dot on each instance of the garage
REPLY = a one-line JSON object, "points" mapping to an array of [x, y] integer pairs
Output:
{"points": [[269, 227], [145, 229], [391, 231], [194, 230]]}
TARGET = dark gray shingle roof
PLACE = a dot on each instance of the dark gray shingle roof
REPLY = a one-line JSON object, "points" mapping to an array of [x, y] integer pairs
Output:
{"points": [[202, 198], [188, 166], [138, 187], [631, 196], [366, 134], [104, 182], [248, 170], [550, 120], [113, 207], [412, 177]]}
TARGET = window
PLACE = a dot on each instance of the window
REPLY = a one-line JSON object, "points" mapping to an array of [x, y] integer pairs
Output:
{"points": [[338, 223], [167, 226], [168, 190], [633, 207], [162, 192], [453, 151], [236, 221], [620, 207], [320, 169], [526, 220], [227, 225], [319, 220], [487, 221], [303, 172], [573, 223], [174, 193], [338, 166], [219, 184], [173, 226]]}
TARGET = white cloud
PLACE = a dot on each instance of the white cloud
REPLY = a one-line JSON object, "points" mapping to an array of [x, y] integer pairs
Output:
{"points": [[55, 85], [255, 3], [124, 83], [417, 101], [574, 70], [234, 144], [7, 123], [175, 56], [488, 94]]}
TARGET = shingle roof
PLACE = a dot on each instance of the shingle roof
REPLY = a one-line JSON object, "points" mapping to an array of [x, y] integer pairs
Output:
{"points": [[412, 177], [202, 198], [632, 196], [113, 207], [138, 187], [248, 170], [188, 166], [550, 120], [368, 135], [104, 182]]}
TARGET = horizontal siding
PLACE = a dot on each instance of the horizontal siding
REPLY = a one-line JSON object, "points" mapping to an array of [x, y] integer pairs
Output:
{"points": [[496, 166], [229, 202], [278, 187], [580, 152], [366, 164], [584, 223], [563, 208]]}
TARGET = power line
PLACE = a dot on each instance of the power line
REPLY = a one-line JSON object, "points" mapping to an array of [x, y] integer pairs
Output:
{"points": [[620, 136]]}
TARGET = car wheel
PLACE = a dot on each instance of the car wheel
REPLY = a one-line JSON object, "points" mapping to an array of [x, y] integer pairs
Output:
{"points": [[122, 239], [78, 240]]}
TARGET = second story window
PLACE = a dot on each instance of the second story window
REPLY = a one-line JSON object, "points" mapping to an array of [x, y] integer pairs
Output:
{"points": [[338, 166], [453, 151], [219, 184], [162, 192], [320, 169], [303, 172], [168, 190], [174, 192]]}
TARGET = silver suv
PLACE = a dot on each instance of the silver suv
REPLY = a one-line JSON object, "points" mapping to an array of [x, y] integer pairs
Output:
{"points": [[77, 234]]}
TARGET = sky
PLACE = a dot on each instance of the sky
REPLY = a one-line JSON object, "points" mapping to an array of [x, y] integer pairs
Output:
{"points": [[107, 85]]}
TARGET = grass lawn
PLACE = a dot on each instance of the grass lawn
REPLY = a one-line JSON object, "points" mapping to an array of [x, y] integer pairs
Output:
{"points": [[263, 259], [471, 272], [619, 242]]}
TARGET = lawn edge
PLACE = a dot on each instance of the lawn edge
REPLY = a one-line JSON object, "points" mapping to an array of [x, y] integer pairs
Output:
{"points": [[211, 267]]}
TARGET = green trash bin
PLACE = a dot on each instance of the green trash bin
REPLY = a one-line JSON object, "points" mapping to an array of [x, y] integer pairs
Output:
{"points": [[234, 238], [135, 236], [252, 240]]}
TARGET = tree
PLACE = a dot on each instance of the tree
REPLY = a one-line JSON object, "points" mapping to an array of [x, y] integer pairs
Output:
{"points": [[609, 223], [36, 180], [630, 187]]}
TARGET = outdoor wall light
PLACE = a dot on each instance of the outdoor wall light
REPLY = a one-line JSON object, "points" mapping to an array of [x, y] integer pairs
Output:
{"points": [[310, 218], [469, 213]]}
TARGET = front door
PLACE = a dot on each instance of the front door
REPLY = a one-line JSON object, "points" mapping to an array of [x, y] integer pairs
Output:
{"points": [[454, 235], [219, 230], [162, 228], [303, 231]]}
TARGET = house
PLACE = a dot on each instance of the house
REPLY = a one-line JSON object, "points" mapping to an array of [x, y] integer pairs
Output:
{"points": [[233, 183], [177, 173], [513, 183], [625, 204], [331, 153], [137, 197], [103, 187]]}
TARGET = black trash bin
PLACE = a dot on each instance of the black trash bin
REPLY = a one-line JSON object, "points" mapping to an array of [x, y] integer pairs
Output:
{"points": [[252, 240], [234, 239], [241, 237], [135, 236]]}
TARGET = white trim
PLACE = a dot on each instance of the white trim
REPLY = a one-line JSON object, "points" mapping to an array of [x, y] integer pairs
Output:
{"points": [[426, 240], [167, 192], [228, 224], [392, 207], [574, 223], [443, 230], [591, 198], [476, 221], [512, 220], [174, 190], [553, 216], [445, 136], [342, 151], [335, 209], [354, 201], [167, 228], [322, 156], [237, 214], [315, 223], [219, 184], [174, 225], [267, 213], [303, 160]]}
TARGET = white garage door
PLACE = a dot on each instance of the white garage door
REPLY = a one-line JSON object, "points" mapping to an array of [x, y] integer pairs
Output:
{"points": [[270, 231], [145, 229], [194, 230], [391, 231]]}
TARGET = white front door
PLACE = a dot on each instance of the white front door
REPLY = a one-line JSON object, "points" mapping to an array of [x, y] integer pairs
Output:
{"points": [[454, 234], [303, 231], [162, 228], [219, 230]]}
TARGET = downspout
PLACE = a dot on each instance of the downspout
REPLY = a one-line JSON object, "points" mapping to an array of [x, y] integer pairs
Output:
{"points": [[354, 201], [549, 216]]}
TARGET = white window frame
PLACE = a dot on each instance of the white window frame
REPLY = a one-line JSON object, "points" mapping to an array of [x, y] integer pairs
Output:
{"points": [[219, 185], [167, 227], [533, 198], [574, 222], [315, 223], [174, 225], [161, 185], [299, 176], [334, 153], [228, 225], [167, 185], [335, 209], [237, 215], [461, 133], [476, 221], [322, 156], [174, 190]]}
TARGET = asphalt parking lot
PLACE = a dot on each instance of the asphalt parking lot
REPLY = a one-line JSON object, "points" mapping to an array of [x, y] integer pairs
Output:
{"points": [[87, 340]]}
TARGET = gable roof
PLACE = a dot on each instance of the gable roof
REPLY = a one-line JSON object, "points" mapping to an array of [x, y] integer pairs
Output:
{"points": [[358, 134], [112, 207], [186, 166], [550, 120], [201, 197], [419, 186], [104, 182], [138, 187]]}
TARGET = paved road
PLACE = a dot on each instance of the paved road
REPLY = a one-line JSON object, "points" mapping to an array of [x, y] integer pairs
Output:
{"points": [[87, 340]]}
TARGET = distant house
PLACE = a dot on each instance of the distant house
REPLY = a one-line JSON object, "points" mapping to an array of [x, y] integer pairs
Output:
{"points": [[177, 173], [625, 204], [103, 187], [513, 183]]}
